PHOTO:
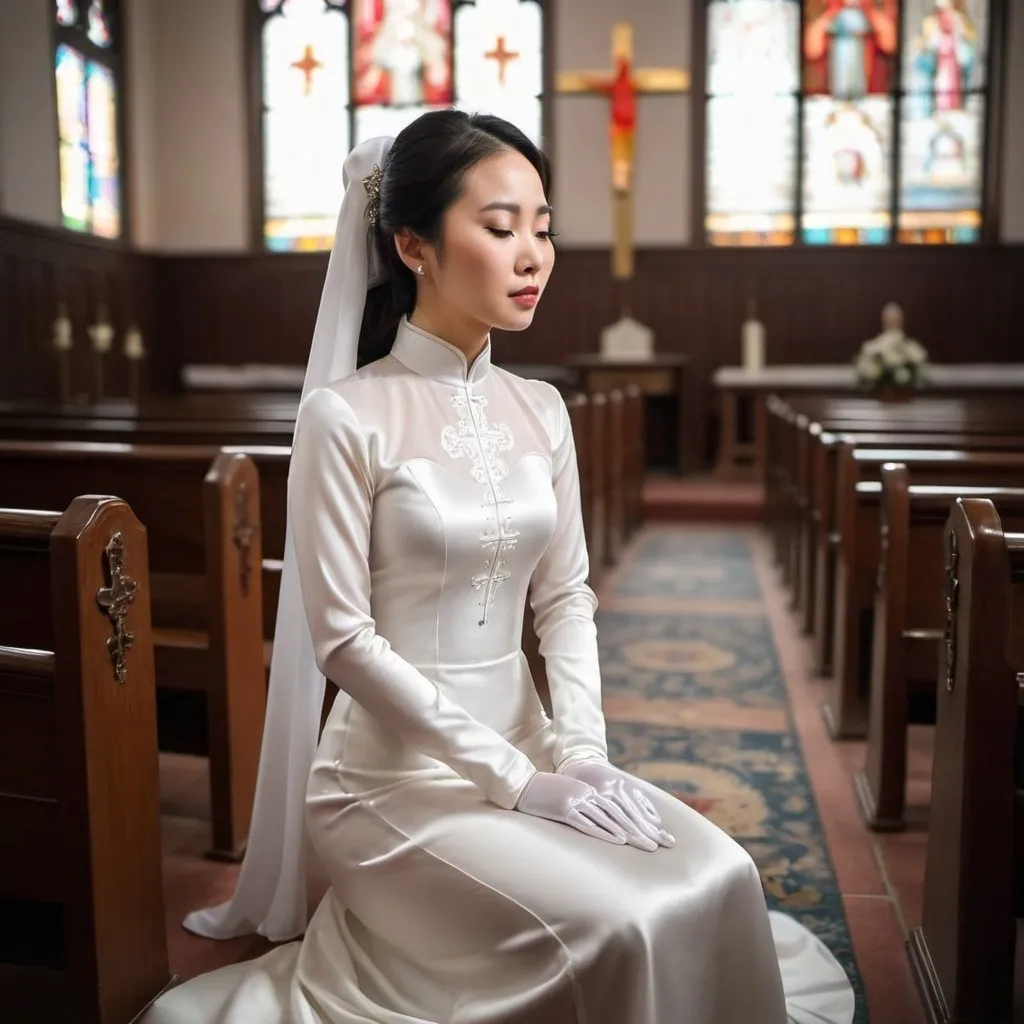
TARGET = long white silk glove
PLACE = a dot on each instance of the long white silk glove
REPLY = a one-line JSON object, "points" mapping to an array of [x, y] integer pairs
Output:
{"points": [[627, 794], [578, 805]]}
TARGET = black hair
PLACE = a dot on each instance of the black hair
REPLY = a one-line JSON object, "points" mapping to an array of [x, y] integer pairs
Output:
{"points": [[421, 178]]}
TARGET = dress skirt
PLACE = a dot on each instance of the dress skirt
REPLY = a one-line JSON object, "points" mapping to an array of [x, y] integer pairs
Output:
{"points": [[446, 908]]}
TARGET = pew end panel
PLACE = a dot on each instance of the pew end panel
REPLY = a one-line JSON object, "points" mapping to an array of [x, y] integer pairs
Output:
{"points": [[962, 956], [887, 653], [236, 706]]}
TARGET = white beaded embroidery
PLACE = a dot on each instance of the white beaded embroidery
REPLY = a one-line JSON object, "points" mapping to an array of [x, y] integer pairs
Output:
{"points": [[474, 437]]}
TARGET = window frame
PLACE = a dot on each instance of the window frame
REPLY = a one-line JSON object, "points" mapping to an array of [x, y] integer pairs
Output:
{"points": [[991, 169], [254, 21], [112, 58]]}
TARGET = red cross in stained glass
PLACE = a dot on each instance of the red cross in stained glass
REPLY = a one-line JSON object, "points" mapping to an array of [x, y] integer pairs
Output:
{"points": [[307, 66], [502, 56]]}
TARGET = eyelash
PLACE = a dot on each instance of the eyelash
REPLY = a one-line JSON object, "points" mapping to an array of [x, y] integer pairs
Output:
{"points": [[504, 233]]}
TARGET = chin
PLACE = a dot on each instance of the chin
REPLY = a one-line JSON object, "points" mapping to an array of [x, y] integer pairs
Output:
{"points": [[516, 322]]}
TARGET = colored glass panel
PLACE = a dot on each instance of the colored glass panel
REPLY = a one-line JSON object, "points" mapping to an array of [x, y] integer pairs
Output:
{"points": [[847, 171], [751, 170], [753, 46], [944, 47], [849, 47], [99, 24], [73, 130], [305, 126], [498, 51], [941, 169], [104, 185], [66, 12], [402, 53]]}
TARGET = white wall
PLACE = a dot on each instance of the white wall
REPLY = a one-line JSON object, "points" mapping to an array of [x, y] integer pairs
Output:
{"points": [[188, 123], [661, 37], [29, 172], [1013, 128]]}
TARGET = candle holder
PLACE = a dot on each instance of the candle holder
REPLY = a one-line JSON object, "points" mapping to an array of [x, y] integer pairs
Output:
{"points": [[134, 352], [63, 342], [101, 334]]}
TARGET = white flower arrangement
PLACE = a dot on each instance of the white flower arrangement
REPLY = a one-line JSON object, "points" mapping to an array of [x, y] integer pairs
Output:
{"points": [[891, 360]]}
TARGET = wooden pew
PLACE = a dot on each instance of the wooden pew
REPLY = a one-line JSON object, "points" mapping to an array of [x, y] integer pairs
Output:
{"points": [[857, 500], [787, 419], [82, 930], [963, 954], [818, 534], [201, 512], [813, 496], [615, 479], [579, 416], [636, 456], [908, 628], [598, 462]]}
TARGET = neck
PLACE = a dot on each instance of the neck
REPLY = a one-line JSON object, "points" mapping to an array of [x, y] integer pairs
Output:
{"points": [[463, 332]]}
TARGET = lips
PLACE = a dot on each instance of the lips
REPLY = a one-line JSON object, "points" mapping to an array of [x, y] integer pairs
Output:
{"points": [[530, 290]]}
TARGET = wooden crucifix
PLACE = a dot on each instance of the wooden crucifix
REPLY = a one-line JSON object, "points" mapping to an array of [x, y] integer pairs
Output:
{"points": [[621, 86]]}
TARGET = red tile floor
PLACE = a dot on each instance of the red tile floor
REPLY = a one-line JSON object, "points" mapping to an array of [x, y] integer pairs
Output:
{"points": [[880, 877]]}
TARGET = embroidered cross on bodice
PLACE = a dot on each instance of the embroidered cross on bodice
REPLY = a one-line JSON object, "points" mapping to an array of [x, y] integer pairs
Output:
{"points": [[475, 438]]}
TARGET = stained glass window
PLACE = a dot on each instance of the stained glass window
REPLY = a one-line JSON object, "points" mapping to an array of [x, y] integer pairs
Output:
{"points": [[864, 119], [942, 121], [753, 77], [87, 73], [334, 73]]}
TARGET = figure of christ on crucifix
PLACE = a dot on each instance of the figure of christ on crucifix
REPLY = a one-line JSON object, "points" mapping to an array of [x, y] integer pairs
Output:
{"points": [[621, 87]]}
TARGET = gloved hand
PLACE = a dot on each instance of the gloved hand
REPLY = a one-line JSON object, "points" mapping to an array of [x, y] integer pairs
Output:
{"points": [[574, 803], [627, 794]]}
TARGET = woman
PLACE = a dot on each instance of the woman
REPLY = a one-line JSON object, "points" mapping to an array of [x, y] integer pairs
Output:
{"points": [[486, 864]]}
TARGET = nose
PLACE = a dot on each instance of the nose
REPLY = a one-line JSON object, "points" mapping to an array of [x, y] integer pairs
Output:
{"points": [[530, 257]]}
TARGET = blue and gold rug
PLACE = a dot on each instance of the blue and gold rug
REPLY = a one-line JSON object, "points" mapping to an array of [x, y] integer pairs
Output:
{"points": [[696, 704]]}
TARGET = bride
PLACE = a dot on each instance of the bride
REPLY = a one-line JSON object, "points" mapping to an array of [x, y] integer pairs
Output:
{"points": [[486, 863]]}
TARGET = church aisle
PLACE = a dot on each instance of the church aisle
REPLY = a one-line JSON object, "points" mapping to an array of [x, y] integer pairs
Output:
{"points": [[707, 694]]}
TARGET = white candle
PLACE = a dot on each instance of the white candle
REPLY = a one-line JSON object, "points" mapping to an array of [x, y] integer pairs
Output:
{"points": [[62, 333], [753, 345], [102, 335], [133, 347]]}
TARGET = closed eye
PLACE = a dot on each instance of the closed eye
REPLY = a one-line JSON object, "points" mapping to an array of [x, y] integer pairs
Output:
{"points": [[505, 233]]}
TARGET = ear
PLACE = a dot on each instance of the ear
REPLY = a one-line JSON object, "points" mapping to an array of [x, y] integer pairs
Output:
{"points": [[410, 249]]}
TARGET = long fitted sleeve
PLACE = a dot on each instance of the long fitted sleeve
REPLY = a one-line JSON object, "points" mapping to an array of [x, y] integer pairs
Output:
{"points": [[330, 497], [564, 606]]}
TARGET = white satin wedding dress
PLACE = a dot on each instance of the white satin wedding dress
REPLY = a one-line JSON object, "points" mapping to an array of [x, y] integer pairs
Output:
{"points": [[445, 904]]}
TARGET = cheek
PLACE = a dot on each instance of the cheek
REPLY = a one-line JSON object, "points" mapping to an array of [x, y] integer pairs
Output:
{"points": [[478, 264]]}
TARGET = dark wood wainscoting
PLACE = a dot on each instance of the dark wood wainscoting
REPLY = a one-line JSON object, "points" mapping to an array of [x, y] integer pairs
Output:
{"points": [[964, 304], [43, 267]]}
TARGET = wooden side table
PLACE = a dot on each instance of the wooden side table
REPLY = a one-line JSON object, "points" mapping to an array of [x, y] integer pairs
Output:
{"points": [[659, 376]]}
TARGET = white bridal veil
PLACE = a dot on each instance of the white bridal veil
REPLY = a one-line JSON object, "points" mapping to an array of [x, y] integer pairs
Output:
{"points": [[271, 897]]}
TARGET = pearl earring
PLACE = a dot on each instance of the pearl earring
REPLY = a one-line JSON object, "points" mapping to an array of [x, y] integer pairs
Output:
{"points": [[419, 270]]}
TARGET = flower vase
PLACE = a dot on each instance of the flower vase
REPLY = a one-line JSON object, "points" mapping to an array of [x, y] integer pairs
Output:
{"points": [[894, 393]]}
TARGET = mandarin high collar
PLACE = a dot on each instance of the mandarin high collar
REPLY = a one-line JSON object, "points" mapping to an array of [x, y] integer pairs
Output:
{"points": [[430, 356]]}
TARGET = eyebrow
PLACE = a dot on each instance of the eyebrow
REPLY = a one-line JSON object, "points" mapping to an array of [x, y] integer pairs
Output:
{"points": [[512, 207]]}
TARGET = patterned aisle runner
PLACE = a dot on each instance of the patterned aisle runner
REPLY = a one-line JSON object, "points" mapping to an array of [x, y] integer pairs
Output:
{"points": [[696, 704]]}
